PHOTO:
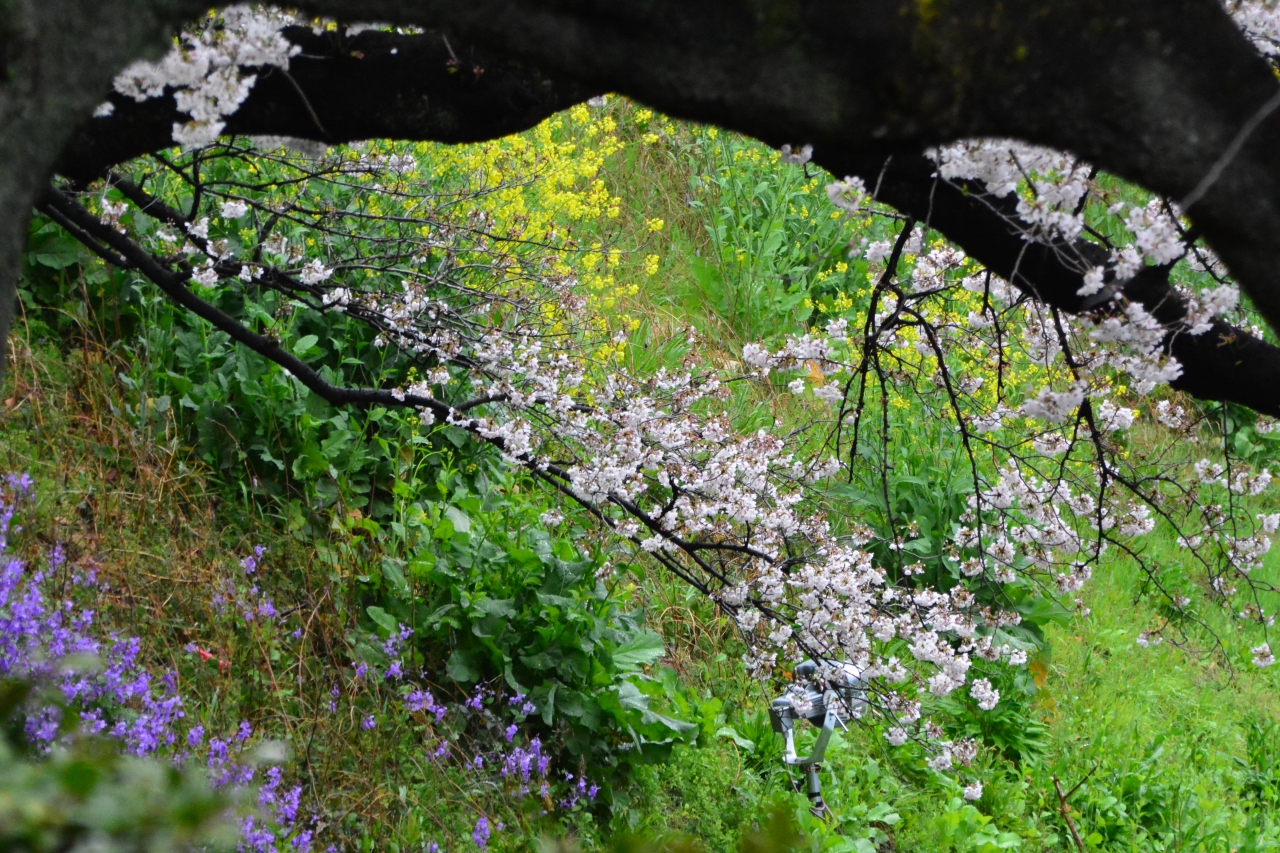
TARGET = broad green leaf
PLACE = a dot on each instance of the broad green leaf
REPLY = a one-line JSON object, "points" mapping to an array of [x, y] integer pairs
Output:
{"points": [[732, 734], [495, 606], [437, 616], [547, 706], [460, 669], [394, 576], [304, 344], [643, 649], [548, 600], [382, 618], [542, 660], [461, 523]]}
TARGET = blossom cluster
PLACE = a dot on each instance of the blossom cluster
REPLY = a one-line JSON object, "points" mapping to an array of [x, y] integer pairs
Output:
{"points": [[1260, 21], [1120, 349], [207, 72], [502, 346]]}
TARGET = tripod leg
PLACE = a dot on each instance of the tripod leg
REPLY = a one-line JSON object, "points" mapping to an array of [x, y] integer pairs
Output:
{"points": [[813, 788]]}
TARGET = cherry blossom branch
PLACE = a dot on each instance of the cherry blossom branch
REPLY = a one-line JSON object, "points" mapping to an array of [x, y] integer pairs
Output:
{"points": [[62, 207]]}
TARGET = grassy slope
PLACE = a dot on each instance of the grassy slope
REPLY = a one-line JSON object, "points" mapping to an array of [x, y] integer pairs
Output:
{"points": [[167, 536], [1164, 732]]}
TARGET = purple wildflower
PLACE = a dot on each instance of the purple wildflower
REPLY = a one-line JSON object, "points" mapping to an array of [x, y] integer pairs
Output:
{"points": [[250, 563]]}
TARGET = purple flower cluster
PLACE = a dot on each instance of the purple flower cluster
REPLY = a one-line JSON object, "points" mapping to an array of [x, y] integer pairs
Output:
{"points": [[250, 563], [525, 768], [519, 765], [522, 763], [578, 793], [480, 835], [283, 806], [526, 707], [422, 700], [53, 638], [394, 647], [50, 641], [253, 604], [224, 769]]}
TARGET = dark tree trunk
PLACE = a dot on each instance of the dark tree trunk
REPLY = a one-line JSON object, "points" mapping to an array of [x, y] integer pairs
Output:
{"points": [[57, 60]]}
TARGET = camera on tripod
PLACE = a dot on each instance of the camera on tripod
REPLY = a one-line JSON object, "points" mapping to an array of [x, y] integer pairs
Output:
{"points": [[827, 694]]}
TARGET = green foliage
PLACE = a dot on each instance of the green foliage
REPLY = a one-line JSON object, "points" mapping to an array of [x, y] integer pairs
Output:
{"points": [[1260, 765], [245, 416], [708, 794], [1237, 428], [922, 480], [65, 289], [772, 241], [491, 594], [963, 828]]}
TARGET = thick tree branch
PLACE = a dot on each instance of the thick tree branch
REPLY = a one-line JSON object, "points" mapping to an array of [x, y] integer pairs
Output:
{"points": [[374, 85], [57, 58], [1155, 92], [1224, 364]]}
